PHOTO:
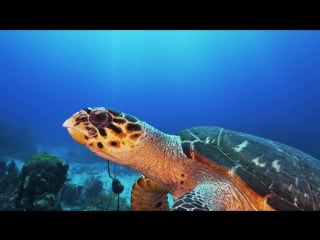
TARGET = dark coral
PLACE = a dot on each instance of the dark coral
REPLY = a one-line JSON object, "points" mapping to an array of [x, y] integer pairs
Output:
{"points": [[71, 194], [39, 183], [8, 180], [91, 197], [105, 201], [94, 187], [3, 169], [96, 199]]}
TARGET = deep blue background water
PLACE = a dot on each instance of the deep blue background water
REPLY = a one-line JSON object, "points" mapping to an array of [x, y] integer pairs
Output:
{"points": [[261, 82]]}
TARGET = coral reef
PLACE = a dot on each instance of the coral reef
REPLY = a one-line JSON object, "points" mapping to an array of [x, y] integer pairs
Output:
{"points": [[106, 202], [93, 187], [42, 184], [70, 195], [91, 197], [39, 183], [99, 200], [8, 179]]}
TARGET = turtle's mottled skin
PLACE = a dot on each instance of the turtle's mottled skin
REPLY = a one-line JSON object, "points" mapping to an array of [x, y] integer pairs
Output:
{"points": [[204, 168]]}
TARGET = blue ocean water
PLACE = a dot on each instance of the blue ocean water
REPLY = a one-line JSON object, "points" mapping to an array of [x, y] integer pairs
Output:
{"points": [[260, 82]]}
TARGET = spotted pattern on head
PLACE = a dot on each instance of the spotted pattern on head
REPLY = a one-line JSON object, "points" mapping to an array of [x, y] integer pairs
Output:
{"points": [[105, 129], [81, 120]]}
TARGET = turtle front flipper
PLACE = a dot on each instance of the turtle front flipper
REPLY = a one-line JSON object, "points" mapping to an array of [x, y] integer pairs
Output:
{"points": [[148, 195], [213, 196], [199, 199]]}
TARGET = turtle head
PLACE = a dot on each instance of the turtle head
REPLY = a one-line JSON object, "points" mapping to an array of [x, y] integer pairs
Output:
{"points": [[108, 133]]}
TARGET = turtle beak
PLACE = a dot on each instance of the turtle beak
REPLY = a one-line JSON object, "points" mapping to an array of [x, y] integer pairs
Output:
{"points": [[68, 123], [75, 132]]}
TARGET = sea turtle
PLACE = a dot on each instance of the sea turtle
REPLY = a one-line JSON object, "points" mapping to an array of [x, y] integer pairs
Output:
{"points": [[203, 168]]}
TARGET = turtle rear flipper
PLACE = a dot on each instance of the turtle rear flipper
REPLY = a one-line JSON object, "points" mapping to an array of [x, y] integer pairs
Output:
{"points": [[212, 196], [199, 199], [148, 195]]}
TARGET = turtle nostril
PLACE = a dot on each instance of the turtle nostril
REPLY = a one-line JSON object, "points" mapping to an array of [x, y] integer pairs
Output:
{"points": [[100, 119]]}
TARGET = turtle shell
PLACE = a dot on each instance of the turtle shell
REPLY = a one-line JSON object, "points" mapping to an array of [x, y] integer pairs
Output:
{"points": [[288, 178]]}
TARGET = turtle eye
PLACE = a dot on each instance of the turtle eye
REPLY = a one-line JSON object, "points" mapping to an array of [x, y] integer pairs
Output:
{"points": [[100, 119]]}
